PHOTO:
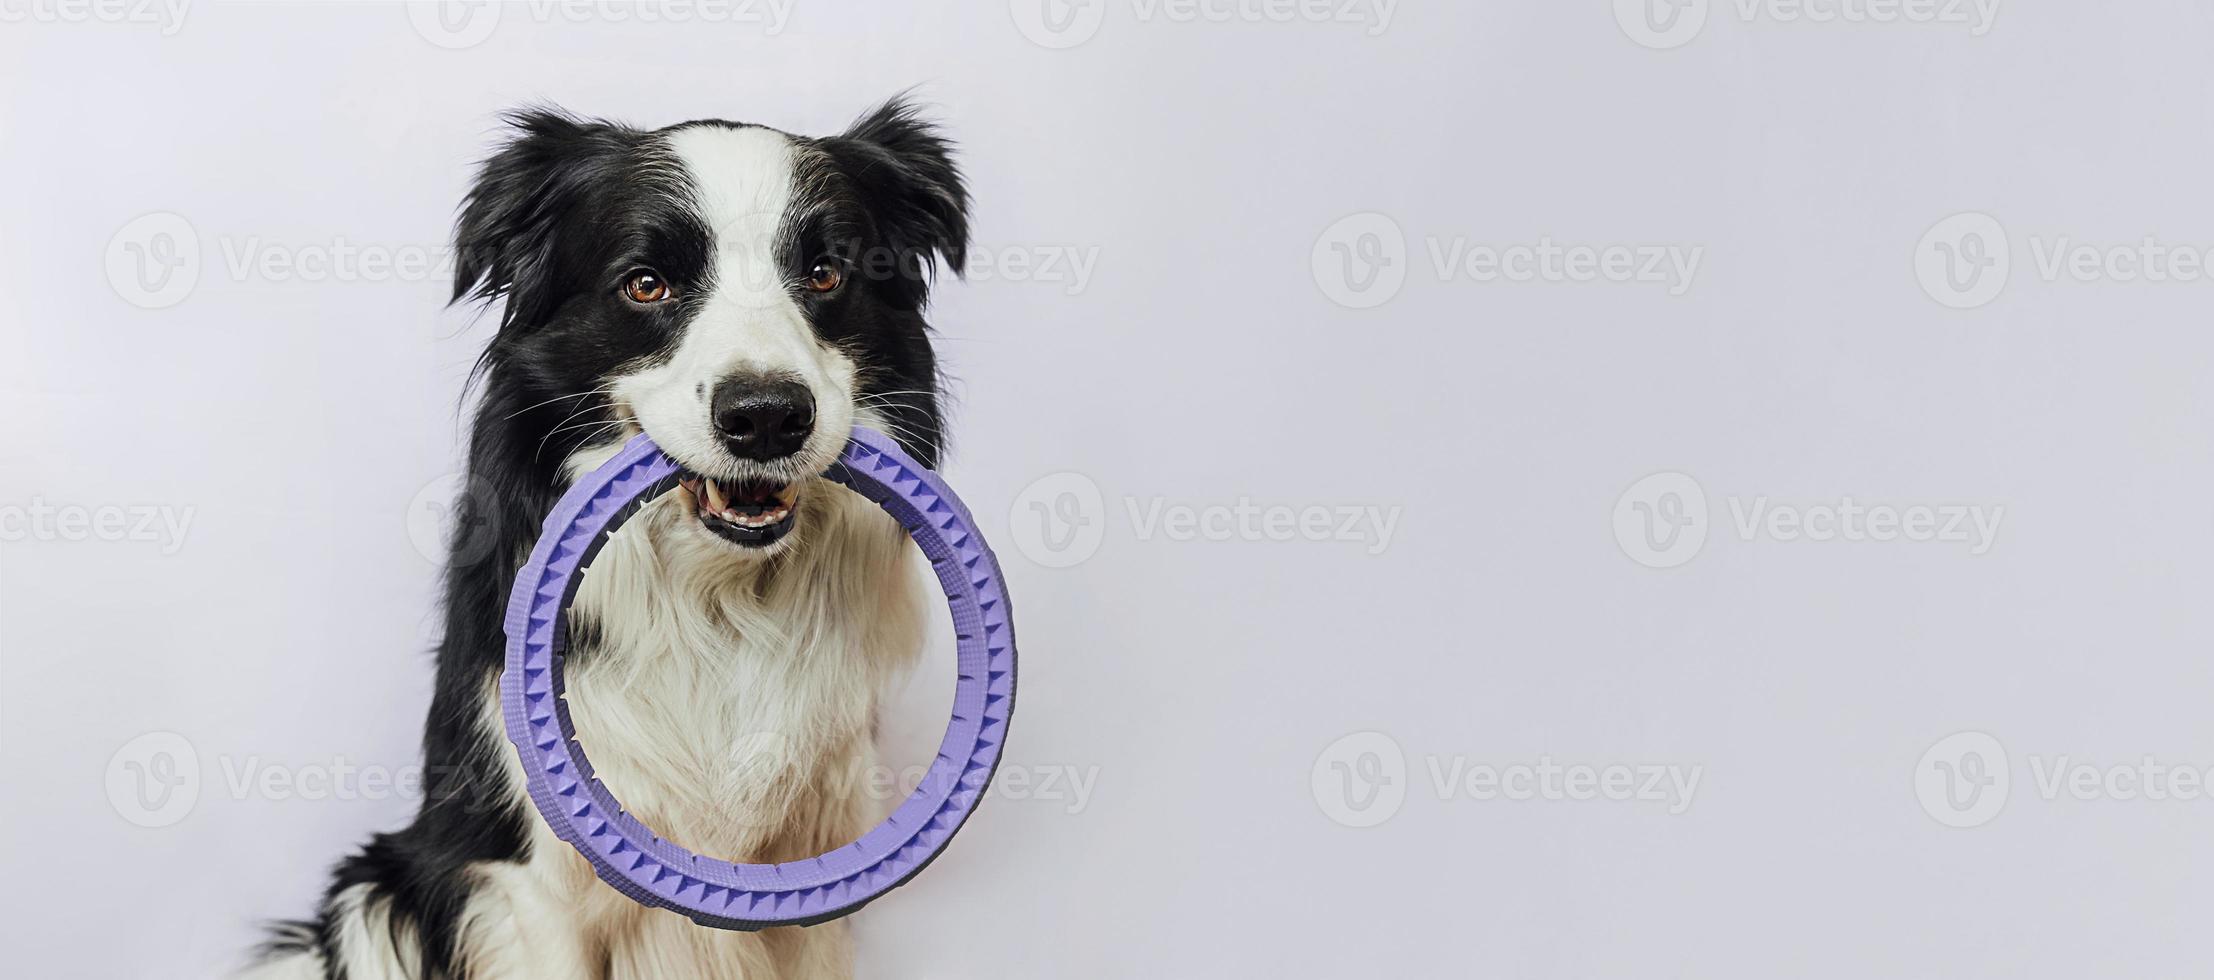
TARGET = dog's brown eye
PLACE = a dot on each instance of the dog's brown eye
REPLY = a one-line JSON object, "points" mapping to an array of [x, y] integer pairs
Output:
{"points": [[824, 277], [646, 286]]}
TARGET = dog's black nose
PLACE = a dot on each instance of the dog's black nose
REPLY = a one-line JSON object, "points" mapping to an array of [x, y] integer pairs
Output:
{"points": [[763, 418]]}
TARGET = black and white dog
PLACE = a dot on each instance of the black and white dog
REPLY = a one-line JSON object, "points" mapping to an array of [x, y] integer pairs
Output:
{"points": [[744, 296]]}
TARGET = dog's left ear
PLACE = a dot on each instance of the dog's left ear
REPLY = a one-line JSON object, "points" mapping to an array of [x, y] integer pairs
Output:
{"points": [[508, 241], [904, 172]]}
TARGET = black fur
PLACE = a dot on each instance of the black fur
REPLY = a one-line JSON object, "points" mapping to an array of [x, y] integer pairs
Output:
{"points": [[556, 219]]}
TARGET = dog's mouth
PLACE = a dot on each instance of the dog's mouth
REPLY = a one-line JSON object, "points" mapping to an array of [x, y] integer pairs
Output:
{"points": [[750, 513]]}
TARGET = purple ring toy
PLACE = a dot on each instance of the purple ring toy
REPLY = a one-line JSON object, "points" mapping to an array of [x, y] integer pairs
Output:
{"points": [[658, 873]]}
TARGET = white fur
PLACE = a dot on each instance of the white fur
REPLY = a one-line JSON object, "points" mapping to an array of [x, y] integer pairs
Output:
{"points": [[749, 323], [730, 708], [369, 948], [731, 703]]}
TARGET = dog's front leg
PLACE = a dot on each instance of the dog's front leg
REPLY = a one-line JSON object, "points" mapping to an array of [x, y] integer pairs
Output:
{"points": [[520, 924]]}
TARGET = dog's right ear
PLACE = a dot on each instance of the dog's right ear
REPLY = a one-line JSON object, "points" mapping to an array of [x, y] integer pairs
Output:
{"points": [[903, 168], [507, 240]]}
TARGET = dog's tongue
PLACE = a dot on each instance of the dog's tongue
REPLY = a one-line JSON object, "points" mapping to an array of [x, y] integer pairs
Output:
{"points": [[751, 493], [747, 503]]}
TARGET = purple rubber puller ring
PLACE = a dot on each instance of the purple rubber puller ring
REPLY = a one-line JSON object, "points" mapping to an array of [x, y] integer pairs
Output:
{"points": [[655, 872]]}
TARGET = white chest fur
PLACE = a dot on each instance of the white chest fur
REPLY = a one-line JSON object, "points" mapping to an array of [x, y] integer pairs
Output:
{"points": [[729, 700]]}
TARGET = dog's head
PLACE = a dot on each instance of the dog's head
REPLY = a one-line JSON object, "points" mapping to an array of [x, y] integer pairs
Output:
{"points": [[742, 295]]}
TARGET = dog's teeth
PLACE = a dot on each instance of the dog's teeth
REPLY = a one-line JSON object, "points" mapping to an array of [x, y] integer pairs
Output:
{"points": [[762, 519], [752, 505]]}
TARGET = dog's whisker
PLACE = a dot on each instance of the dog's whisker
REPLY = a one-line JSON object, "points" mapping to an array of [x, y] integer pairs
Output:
{"points": [[595, 429], [887, 421], [607, 389], [573, 415]]}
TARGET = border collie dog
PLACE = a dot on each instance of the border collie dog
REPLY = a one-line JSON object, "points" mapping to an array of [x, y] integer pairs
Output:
{"points": [[744, 296]]}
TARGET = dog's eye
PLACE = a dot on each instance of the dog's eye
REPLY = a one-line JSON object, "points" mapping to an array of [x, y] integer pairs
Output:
{"points": [[645, 287], [824, 277]]}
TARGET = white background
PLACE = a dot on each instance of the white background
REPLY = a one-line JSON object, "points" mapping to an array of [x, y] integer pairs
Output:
{"points": [[1215, 355]]}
